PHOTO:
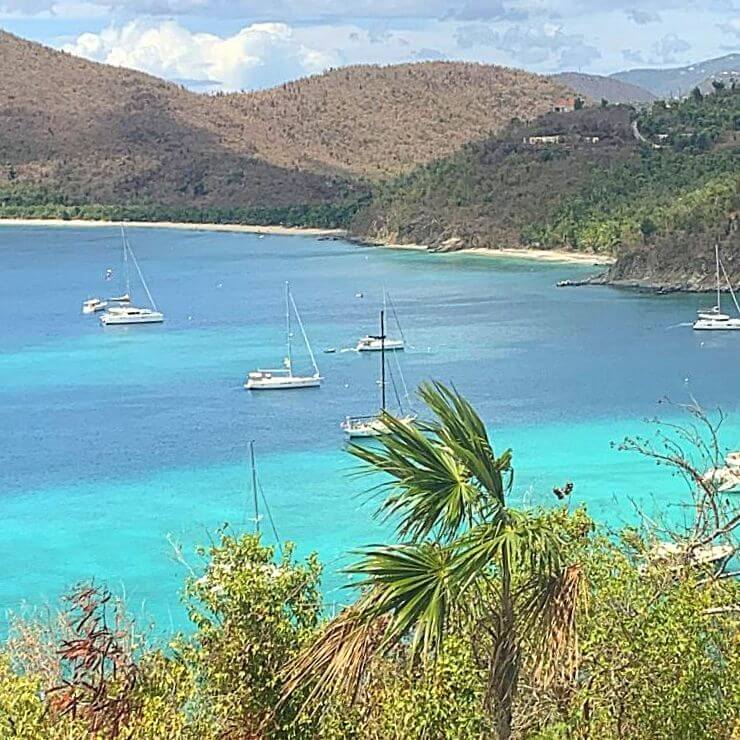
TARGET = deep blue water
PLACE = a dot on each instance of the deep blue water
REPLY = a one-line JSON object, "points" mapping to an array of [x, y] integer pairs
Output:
{"points": [[115, 441]]}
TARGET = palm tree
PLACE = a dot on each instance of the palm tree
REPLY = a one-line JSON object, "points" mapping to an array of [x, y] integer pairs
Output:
{"points": [[465, 562]]}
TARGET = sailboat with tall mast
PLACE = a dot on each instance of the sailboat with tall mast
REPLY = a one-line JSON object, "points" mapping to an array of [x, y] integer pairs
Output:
{"points": [[284, 378], [713, 319], [375, 426], [125, 297], [126, 313], [93, 305], [371, 343]]}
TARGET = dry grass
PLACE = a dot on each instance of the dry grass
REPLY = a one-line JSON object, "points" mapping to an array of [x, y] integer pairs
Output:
{"points": [[111, 135]]}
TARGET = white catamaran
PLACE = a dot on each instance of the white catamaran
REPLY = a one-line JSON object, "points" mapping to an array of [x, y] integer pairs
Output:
{"points": [[371, 343], [375, 426], [284, 378], [124, 313], [712, 319]]}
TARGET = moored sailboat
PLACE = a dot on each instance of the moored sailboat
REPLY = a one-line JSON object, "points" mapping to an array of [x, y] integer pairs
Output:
{"points": [[713, 319], [375, 425], [125, 313], [284, 378], [372, 343]]}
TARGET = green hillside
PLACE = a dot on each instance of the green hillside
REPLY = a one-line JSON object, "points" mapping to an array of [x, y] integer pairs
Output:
{"points": [[596, 188]]}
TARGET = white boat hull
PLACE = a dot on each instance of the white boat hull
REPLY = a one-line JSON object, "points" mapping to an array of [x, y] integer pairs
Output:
{"points": [[119, 319], [89, 307], [375, 345], [278, 383], [715, 324], [371, 427]]}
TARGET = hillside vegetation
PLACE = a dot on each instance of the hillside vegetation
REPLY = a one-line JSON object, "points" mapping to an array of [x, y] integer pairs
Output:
{"points": [[94, 133], [477, 618], [378, 121], [87, 133], [677, 192]]}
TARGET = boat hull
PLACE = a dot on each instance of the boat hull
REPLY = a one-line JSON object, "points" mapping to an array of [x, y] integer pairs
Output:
{"points": [[113, 320], [281, 384], [369, 428], [93, 307], [715, 325], [391, 345]]}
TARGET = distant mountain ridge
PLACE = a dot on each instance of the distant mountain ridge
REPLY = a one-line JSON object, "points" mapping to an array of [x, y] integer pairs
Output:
{"points": [[598, 87], [679, 81]]}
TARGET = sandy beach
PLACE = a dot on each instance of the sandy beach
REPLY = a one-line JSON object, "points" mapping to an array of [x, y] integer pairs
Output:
{"points": [[540, 255], [245, 228]]}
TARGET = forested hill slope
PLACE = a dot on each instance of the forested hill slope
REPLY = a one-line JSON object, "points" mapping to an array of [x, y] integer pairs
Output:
{"points": [[659, 205], [91, 133], [376, 121]]}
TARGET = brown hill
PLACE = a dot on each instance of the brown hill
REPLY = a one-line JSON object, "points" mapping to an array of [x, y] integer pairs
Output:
{"points": [[375, 121], [110, 135]]}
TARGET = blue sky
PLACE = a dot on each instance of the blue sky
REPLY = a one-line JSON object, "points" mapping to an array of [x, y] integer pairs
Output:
{"points": [[246, 44]]}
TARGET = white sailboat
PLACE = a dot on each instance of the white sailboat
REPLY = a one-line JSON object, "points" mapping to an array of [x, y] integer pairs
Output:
{"points": [[283, 378], [371, 343], [126, 314], [94, 305], [125, 297], [712, 319], [374, 426]]}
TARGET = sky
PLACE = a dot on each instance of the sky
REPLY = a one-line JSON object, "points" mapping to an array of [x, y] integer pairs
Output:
{"points": [[230, 45]]}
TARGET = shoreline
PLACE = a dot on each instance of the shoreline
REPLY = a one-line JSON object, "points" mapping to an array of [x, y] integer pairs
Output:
{"points": [[182, 225], [561, 256], [538, 255]]}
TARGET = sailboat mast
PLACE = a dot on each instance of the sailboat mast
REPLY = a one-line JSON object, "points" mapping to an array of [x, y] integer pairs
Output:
{"points": [[287, 327], [254, 488], [141, 277], [382, 359], [305, 336], [126, 274], [716, 258]]}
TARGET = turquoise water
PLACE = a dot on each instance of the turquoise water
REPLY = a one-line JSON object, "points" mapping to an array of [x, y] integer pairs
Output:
{"points": [[116, 442]]}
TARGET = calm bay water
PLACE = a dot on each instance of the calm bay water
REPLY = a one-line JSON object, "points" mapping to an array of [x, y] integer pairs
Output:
{"points": [[114, 442]]}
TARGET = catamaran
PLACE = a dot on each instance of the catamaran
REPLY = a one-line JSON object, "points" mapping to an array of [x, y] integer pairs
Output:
{"points": [[283, 378], [371, 343], [126, 313], [712, 319], [375, 426]]}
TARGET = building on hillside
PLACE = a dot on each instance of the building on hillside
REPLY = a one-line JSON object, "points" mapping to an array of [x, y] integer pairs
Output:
{"points": [[564, 105], [546, 139]]}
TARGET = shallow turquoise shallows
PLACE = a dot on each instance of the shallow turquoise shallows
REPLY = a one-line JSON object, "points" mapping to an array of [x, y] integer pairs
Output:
{"points": [[117, 442]]}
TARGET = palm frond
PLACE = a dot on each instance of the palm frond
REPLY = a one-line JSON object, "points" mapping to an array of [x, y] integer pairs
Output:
{"points": [[558, 608], [519, 538], [413, 585], [339, 659], [443, 473]]}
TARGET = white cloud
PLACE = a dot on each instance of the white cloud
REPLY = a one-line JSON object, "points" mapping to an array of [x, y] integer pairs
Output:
{"points": [[259, 55], [671, 49]]}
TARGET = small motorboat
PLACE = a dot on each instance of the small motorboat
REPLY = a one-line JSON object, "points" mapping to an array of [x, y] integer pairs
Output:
{"points": [[93, 305]]}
